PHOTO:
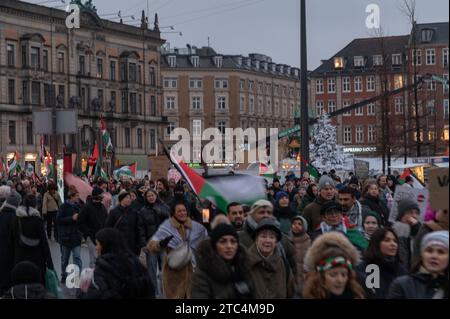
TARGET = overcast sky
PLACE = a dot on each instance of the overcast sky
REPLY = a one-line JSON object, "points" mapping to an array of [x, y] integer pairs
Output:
{"points": [[271, 27]]}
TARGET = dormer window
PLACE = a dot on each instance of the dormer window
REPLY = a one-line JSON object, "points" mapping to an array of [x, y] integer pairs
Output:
{"points": [[396, 59], [281, 69], [358, 61], [377, 60], [195, 60], [338, 63], [218, 61], [288, 70], [265, 66], [239, 59], [172, 61], [257, 65], [427, 35], [249, 62], [296, 72]]}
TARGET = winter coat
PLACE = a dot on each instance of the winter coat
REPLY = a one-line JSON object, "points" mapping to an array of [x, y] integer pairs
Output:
{"points": [[312, 213], [150, 217], [222, 282], [120, 277], [301, 244], [284, 216], [138, 203], [33, 228], [29, 291], [166, 197], [177, 283], [406, 235], [92, 218], [50, 203], [69, 234], [269, 276], [126, 221], [376, 205], [420, 285], [389, 271], [7, 217]]}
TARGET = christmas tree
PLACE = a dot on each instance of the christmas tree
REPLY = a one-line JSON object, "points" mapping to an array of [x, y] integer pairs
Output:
{"points": [[324, 151]]}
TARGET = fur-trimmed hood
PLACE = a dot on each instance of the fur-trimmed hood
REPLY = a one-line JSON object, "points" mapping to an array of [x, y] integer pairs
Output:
{"points": [[22, 212], [330, 245]]}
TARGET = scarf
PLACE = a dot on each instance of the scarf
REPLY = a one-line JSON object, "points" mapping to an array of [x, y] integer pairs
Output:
{"points": [[325, 228]]}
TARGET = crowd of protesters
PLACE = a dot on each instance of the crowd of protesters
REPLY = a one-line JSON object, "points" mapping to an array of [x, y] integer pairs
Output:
{"points": [[310, 238]]}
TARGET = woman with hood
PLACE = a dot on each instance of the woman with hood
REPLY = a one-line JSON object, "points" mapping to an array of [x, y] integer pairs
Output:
{"points": [[310, 196], [329, 262], [230, 277], [371, 201], [302, 242], [383, 251], [283, 211]]}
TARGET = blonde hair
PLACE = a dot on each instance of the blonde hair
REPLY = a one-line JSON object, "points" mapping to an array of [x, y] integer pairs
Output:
{"points": [[314, 287]]}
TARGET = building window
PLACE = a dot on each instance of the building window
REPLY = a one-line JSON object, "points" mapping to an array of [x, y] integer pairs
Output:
{"points": [[319, 108], [29, 133], [284, 109], [445, 85], [61, 62], [152, 139], [431, 57], [250, 85], [113, 101], [346, 84], [359, 134], [35, 58], [100, 98], [371, 109], [24, 56], [331, 106], [319, 86], [197, 127], [218, 61], [251, 106], [277, 108], [170, 83], [195, 83], [221, 125], [112, 70], [241, 84], [445, 57], [196, 103], [398, 105], [427, 35], [124, 102], [446, 109], [417, 57], [12, 91], [139, 138], [358, 84], [81, 65], [12, 132], [221, 102], [358, 61], [61, 95], [45, 60], [242, 105], [170, 102], [359, 111], [430, 108], [152, 76], [396, 59], [195, 61], [260, 107], [344, 105], [221, 83], [11, 55], [35, 93], [127, 137], [431, 85], [100, 68], [172, 61], [83, 98], [139, 74], [370, 83], [152, 105], [398, 81], [338, 63], [377, 60], [269, 107], [133, 103], [331, 85], [132, 72], [170, 127], [25, 92], [347, 134], [123, 71], [370, 133]]}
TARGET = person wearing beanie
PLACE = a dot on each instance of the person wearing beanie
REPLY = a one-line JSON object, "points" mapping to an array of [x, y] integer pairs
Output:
{"points": [[50, 205], [406, 227], [276, 186], [177, 231], [230, 277], [302, 242], [270, 272], [312, 211], [330, 258], [429, 276], [284, 211]]}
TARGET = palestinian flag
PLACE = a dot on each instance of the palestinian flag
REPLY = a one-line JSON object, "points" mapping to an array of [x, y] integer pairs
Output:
{"points": [[29, 170], [127, 170], [14, 167], [312, 170], [224, 189], [266, 171], [106, 138], [99, 172], [407, 172]]}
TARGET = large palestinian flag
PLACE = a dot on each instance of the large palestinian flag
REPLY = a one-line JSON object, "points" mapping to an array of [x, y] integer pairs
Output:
{"points": [[224, 189], [107, 143], [126, 170], [267, 171]]}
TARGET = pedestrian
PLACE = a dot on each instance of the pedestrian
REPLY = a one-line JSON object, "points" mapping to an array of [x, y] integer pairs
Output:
{"points": [[383, 252], [69, 234], [126, 220], [235, 214], [164, 192], [26, 281], [50, 205], [354, 184], [310, 196], [329, 263], [298, 198], [270, 271], [302, 242], [92, 218], [429, 277], [283, 211], [371, 201], [351, 207], [371, 222], [326, 194], [118, 274], [179, 237], [230, 278]]}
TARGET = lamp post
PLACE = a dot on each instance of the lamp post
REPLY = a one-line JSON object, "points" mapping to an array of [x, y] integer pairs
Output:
{"points": [[304, 118]]}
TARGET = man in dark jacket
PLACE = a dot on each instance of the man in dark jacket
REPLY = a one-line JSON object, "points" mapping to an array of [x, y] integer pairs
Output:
{"points": [[125, 220], [92, 218], [69, 235]]}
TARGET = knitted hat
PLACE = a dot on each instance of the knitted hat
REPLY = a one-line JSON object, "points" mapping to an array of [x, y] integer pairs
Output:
{"points": [[97, 191], [373, 214], [122, 195], [4, 191], [280, 195], [406, 205], [325, 181], [261, 203], [25, 272], [353, 180], [222, 230], [330, 205], [439, 238], [14, 199], [275, 180], [302, 219], [268, 224]]}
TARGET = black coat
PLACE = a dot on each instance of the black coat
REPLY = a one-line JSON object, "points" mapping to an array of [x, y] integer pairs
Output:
{"points": [[7, 216], [388, 273], [30, 291], [150, 217], [120, 277], [376, 205], [126, 221], [92, 218], [69, 234], [417, 286]]}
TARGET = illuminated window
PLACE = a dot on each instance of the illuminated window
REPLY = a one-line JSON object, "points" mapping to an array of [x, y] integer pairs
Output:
{"points": [[338, 63], [398, 81]]}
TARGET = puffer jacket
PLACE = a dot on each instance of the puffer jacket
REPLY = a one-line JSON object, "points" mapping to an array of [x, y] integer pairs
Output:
{"points": [[125, 220], [149, 219], [419, 286], [69, 234]]}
